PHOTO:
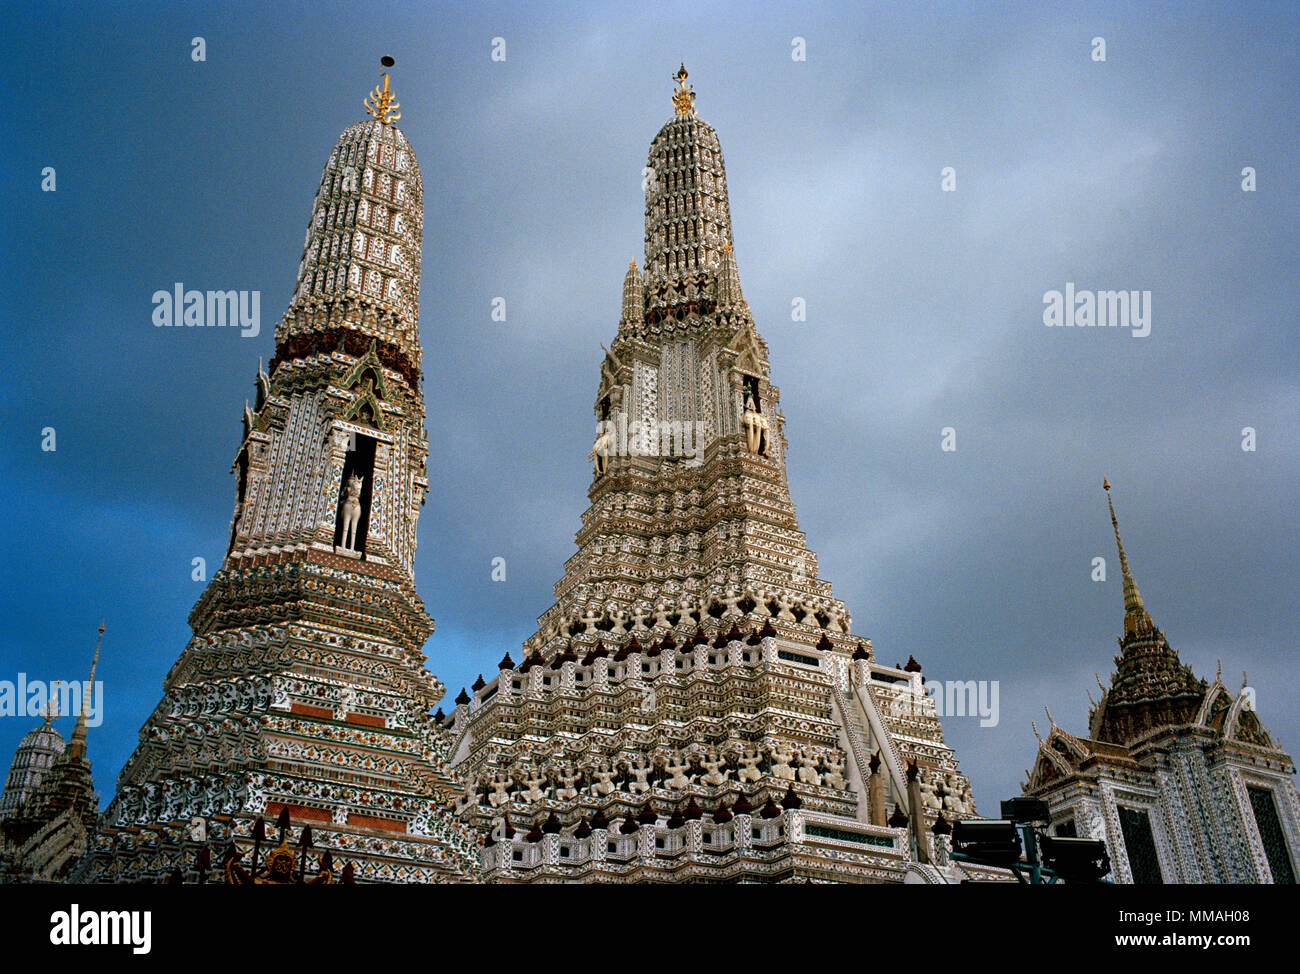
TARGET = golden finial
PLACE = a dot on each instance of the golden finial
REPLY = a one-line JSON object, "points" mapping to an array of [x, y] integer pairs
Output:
{"points": [[684, 96], [1105, 484], [383, 106], [51, 709], [631, 265]]}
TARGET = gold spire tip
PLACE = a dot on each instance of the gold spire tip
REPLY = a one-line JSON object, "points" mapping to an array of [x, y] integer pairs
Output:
{"points": [[380, 103], [1105, 484], [684, 96]]}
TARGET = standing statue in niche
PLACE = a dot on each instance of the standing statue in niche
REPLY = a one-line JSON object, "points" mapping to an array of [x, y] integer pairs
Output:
{"points": [[352, 511], [756, 427], [600, 450]]}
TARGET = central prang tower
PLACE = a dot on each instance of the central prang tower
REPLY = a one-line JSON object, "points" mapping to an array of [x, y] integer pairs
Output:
{"points": [[695, 705], [304, 687]]}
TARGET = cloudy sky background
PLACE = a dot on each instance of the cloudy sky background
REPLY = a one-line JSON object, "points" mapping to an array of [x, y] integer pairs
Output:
{"points": [[924, 311]]}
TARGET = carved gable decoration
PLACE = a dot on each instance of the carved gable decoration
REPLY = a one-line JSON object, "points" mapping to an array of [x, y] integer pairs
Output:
{"points": [[752, 357], [368, 373], [367, 378]]}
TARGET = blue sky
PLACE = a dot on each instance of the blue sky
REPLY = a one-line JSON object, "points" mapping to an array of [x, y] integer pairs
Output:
{"points": [[924, 311]]}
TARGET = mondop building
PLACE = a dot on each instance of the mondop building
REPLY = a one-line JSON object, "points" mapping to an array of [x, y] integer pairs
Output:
{"points": [[1178, 776]]}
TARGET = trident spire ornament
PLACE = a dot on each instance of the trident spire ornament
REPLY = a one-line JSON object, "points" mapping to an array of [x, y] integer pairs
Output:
{"points": [[684, 96], [380, 102]]}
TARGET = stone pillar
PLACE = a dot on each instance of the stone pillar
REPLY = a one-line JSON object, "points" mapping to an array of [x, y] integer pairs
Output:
{"points": [[694, 837], [742, 831], [600, 672], [645, 843], [916, 822], [861, 674], [736, 653], [599, 846], [506, 685], [876, 794], [550, 849]]}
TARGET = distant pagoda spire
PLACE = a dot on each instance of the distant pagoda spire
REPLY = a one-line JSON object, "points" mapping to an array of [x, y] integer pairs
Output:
{"points": [[1151, 687], [77, 742], [1136, 618]]}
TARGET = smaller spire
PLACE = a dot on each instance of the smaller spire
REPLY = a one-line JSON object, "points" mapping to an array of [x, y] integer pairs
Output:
{"points": [[684, 96], [633, 297], [77, 743], [727, 295], [1136, 618]]}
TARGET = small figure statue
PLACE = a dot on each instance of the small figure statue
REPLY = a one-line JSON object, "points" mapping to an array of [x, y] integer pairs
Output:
{"points": [[640, 777], [501, 785], [568, 784], [604, 784], [932, 795], [808, 769], [661, 610], [534, 792], [714, 774], [782, 759], [756, 427], [749, 762], [834, 777], [352, 511], [677, 768], [957, 796]]}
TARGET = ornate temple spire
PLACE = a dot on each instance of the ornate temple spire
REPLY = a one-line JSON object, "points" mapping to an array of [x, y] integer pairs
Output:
{"points": [[331, 473], [687, 216], [728, 296], [1136, 618], [359, 276], [633, 297], [1151, 686], [77, 742]]}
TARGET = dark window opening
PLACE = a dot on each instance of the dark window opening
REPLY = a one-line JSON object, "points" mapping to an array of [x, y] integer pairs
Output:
{"points": [[1141, 844], [1270, 833], [1066, 830], [360, 462]]}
